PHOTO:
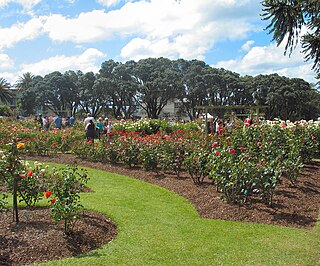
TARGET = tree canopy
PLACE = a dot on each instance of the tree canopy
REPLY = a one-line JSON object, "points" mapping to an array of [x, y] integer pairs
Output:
{"points": [[287, 17], [120, 89], [5, 93]]}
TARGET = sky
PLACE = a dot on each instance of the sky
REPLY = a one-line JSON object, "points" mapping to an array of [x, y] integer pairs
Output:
{"points": [[42, 36]]}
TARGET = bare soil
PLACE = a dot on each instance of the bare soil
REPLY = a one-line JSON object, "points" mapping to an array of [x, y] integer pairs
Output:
{"points": [[40, 239]]}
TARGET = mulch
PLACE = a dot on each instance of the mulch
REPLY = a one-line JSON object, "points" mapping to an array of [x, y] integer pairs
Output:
{"points": [[37, 238], [294, 206]]}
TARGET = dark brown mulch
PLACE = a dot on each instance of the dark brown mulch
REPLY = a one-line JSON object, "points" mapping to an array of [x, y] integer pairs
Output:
{"points": [[37, 238], [294, 206]]}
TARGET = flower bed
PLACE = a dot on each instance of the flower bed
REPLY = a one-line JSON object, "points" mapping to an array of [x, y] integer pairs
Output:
{"points": [[245, 163]]}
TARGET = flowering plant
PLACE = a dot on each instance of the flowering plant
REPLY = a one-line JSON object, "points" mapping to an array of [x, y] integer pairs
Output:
{"points": [[65, 187]]}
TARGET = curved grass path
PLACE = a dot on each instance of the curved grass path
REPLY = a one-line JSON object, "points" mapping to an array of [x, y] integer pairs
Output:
{"points": [[158, 227]]}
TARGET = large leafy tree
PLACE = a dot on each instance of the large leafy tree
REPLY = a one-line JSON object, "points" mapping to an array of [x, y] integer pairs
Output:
{"points": [[73, 97], [5, 92], [287, 17], [119, 86], [286, 98], [194, 91], [28, 102], [158, 82], [93, 96], [55, 92]]}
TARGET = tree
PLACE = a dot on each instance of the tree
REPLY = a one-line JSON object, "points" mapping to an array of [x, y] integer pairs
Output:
{"points": [[287, 19], [24, 82], [93, 96], [5, 93], [28, 102], [195, 88], [56, 92], [120, 87], [286, 98], [158, 82], [73, 99]]}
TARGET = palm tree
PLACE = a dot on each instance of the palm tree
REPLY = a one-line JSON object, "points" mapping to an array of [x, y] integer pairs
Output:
{"points": [[5, 92], [24, 82]]}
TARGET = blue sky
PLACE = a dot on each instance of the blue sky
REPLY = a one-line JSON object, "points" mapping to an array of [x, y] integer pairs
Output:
{"points": [[42, 36]]}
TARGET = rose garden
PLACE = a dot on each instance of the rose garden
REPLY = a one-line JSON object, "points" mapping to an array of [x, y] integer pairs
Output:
{"points": [[249, 171]]}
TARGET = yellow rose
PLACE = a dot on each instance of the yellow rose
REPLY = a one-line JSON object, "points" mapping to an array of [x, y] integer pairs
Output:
{"points": [[20, 145]]}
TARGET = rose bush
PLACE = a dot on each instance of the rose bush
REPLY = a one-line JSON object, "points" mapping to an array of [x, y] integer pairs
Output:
{"points": [[245, 162]]}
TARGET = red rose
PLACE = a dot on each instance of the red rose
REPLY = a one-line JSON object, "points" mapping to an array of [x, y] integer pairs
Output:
{"points": [[215, 144], [232, 151], [217, 153], [23, 176], [242, 148], [52, 201], [29, 173], [48, 194]]}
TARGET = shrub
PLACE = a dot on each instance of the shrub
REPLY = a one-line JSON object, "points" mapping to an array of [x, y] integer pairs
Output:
{"points": [[64, 188]]}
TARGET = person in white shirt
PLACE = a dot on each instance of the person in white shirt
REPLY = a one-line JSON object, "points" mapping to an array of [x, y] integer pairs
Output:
{"points": [[87, 120]]}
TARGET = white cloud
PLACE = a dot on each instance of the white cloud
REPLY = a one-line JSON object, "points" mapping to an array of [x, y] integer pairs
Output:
{"points": [[86, 62], [184, 28], [25, 3], [20, 32], [6, 63], [109, 3], [9, 77], [271, 59], [188, 28], [88, 27], [247, 46]]}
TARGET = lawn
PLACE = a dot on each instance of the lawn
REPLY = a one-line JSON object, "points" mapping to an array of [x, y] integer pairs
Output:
{"points": [[158, 227]]}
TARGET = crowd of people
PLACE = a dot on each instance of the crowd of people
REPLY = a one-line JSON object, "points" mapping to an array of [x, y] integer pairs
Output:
{"points": [[97, 129], [54, 122], [93, 129], [103, 126], [216, 126]]}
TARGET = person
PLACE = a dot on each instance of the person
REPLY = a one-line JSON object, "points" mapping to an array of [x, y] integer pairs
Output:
{"points": [[72, 120], [229, 126], [220, 127], [66, 122], [40, 120], [58, 121], [109, 129], [105, 125], [87, 120], [99, 126], [90, 130], [210, 126], [45, 123]]}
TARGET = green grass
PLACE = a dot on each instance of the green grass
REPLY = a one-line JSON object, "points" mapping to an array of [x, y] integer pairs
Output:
{"points": [[158, 227]]}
